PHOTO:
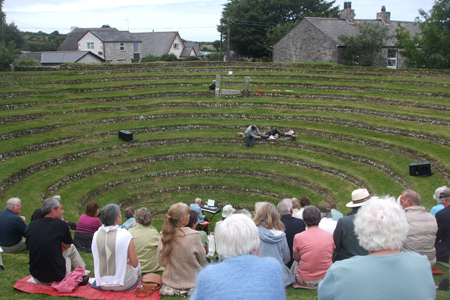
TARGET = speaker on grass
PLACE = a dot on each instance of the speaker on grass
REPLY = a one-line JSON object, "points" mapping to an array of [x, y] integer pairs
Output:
{"points": [[125, 135], [421, 169]]}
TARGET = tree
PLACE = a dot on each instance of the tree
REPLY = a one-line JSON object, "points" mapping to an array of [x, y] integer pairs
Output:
{"points": [[10, 36], [8, 54], [251, 22], [364, 49], [216, 44], [430, 48]]}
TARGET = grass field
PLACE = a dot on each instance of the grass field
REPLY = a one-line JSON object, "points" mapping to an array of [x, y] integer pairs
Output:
{"points": [[356, 127]]}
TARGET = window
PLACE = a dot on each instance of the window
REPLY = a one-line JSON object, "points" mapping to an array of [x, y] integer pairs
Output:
{"points": [[122, 46], [392, 59], [176, 46], [90, 45], [136, 47]]}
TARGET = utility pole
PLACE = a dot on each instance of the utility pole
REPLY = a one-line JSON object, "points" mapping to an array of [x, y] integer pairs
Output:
{"points": [[220, 54], [228, 39]]}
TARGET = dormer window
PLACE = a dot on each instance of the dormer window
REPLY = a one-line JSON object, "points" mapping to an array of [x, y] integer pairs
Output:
{"points": [[90, 45], [176, 46]]}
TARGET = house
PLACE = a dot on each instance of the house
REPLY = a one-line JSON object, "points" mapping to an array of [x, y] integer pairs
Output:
{"points": [[53, 58], [75, 34], [317, 39], [191, 49], [160, 43], [113, 46]]}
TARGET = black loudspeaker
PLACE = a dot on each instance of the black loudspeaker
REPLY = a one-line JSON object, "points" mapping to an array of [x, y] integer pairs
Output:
{"points": [[421, 169], [125, 135]]}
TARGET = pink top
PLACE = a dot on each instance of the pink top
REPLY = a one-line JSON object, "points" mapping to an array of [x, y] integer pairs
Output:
{"points": [[315, 248], [88, 224]]}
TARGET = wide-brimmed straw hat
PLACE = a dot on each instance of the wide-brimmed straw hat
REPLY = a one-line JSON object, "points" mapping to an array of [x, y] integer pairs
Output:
{"points": [[359, 196]]}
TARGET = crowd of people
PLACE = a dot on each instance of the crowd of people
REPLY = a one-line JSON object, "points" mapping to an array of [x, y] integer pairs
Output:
{"points": [[383, 249]]}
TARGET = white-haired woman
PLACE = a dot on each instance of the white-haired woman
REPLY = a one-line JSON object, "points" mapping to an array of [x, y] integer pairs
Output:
{"points": [[180, 250], [439, 205], [386, 273], [116, 264], [146, 239], [241, 274], [273, 239]]}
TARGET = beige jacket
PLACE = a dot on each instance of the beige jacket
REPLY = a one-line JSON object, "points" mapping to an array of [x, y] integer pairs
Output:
{"points": [[422, 233], [187, 258]]}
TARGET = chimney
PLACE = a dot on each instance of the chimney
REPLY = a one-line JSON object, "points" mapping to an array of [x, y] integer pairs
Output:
{"points": [[384, 15], [347, 13]]}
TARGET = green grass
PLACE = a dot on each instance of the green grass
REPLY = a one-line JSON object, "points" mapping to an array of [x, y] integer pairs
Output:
{"points": [[356, 127]]}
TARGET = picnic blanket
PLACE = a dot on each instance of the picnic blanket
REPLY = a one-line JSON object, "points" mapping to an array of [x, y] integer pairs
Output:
{"points": [[28, 286]]}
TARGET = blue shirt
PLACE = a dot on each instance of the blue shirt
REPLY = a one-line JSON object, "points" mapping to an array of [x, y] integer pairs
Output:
{"points": [[12, 228], [436, 208], [336, 214], [195, 207]]}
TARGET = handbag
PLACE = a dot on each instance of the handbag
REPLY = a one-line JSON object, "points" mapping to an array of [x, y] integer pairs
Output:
{"points": [[150, 282]]}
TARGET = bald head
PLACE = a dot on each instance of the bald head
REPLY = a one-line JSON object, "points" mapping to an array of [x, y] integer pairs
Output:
{"points": [[409, 198]]}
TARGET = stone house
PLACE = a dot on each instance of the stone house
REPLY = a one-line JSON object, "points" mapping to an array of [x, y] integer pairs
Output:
{"points": [[113, 46], [317, 39]]}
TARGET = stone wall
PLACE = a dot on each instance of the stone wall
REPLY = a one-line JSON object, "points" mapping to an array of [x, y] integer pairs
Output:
{"points": [[305, 43], [113, 53]]}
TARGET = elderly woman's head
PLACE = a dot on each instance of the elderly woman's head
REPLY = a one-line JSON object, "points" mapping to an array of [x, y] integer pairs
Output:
{"points": [[380, 224], [438, 191], [311, 216], [109, 215], [143, 216], [235, 236], [267, 216]]}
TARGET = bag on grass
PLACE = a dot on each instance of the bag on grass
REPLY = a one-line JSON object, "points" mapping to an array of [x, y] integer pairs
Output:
{"points": [[150, 282]]}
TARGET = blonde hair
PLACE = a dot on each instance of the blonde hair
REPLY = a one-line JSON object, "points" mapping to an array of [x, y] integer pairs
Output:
{"points": [[268, 217], [171, 224]]}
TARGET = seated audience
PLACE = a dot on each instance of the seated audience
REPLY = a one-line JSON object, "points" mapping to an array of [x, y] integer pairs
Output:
{"points": [[326, 223], [227, 211], [49, 243], [180, 250], [304, 202], [116, 264], [294, 206], [146, 239], [386, 273], [443, 234], [344, 235], [193, 224], [422, 227], [196, 207], [313, 250], [12, 227], [334, 212], [241, 274], [292, 225], [88, 224], [439, 205], [273, 239], [131, 221]]}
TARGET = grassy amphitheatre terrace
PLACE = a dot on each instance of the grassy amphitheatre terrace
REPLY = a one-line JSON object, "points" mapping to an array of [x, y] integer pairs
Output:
{"points": [[356, 127]]}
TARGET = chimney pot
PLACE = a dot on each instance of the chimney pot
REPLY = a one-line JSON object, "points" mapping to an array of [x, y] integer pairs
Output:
{"points": [[383, 8]]}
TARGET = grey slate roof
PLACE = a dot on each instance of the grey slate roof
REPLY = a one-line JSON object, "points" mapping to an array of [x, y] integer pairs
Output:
{"points": [[155, 43], [71, 41], [116, 36], [192, 45], [57, 57], [333, 28]]}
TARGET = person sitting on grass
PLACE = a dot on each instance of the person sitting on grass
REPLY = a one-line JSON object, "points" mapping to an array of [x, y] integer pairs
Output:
{"points": [[131, 221], [180, 250], [12, 227], [251, 134], [49, 244], [193, 224], [241, 273], [273, 239], [313, 250], [116, 264], [88, 224], [386, 273], [146, 239]]}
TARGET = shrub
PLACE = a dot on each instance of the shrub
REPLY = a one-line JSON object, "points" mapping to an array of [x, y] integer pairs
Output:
{"points": [[27, 63], [192, 58], [169, 57], [150, 58]]}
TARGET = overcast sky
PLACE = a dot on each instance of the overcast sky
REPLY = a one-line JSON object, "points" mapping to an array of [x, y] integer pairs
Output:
{"points": [[195, 20]]}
